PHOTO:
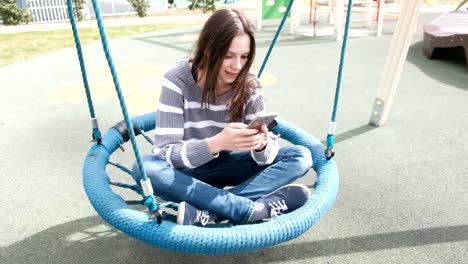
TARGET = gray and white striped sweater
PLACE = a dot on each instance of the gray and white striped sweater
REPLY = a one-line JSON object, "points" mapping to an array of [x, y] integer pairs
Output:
{"points": [[183, 126]]}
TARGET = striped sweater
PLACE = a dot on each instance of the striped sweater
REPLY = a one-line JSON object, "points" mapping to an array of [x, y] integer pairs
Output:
{"points": [[183, 125]]}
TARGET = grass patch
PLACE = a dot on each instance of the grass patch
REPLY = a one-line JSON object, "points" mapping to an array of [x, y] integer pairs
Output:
{"points": [[20, 46]]}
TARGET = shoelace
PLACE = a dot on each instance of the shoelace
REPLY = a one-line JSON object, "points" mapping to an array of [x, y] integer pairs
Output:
{"points": [[203, 217], [277, 208]]}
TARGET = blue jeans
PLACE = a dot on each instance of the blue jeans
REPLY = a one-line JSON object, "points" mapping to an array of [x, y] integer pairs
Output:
{"points": [[204, 186]]}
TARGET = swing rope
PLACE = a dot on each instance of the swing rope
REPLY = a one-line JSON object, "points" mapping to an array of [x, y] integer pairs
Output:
{"points": [[150, 200], [273, 42], [96, 134], [329, 152]]}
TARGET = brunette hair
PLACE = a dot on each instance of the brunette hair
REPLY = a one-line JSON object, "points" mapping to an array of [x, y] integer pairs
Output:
{"points": [[212, 46]]}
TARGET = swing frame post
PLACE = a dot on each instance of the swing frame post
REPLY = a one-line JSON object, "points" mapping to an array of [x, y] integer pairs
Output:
{"points": [[259, 9], [380, 17], [396, 57], [338, 20]]}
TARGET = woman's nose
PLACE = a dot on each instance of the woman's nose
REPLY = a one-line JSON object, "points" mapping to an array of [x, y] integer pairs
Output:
{"points": [[237, 64]]}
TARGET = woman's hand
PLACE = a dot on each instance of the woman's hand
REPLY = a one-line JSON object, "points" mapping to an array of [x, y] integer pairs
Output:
{"points": [[263, 129], [237, 137]]}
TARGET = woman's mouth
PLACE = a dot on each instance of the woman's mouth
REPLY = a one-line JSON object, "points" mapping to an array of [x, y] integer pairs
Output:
{"points": [[232, 75]]}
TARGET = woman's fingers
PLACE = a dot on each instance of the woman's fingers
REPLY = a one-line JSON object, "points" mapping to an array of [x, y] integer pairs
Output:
{"points": [[251, 141], [263, 129], [236, 136], [248, 131]]}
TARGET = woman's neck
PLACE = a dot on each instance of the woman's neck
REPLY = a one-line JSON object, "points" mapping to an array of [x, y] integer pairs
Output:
{"points": [[220, 89]]}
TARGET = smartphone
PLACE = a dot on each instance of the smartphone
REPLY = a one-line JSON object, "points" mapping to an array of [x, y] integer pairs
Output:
{"points": [[267, 119]]}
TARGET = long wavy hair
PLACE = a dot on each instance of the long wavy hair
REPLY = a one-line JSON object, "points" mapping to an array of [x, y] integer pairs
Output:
{"points": [[212, 46]]}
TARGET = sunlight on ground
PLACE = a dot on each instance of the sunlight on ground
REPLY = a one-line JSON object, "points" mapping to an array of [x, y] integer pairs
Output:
{"points": [[92, 233], [189, 37], [140, 83], [267, 79]]}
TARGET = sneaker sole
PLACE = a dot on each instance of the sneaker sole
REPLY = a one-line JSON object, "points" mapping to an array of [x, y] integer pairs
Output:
{"points": [[181, 213], [293, 184]]}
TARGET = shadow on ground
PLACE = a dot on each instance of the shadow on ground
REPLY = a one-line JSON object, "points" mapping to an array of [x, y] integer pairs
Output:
{"points": [[351, 133], [185, 41], [89, 240], [447, 66]]}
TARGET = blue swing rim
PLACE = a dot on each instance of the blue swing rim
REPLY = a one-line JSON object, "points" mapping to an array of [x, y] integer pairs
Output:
{"points": [[203, 240]]}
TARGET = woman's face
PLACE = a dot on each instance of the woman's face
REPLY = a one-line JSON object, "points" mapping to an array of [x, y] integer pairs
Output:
{"points": [[235, 59]]}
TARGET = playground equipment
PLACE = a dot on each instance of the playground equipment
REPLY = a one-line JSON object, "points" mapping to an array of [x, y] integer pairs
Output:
{"points": [[396, 56], [449, 30], [325, 18], [217, 240]]}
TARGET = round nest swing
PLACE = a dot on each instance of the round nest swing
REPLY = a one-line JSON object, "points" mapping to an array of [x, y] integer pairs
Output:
{"points": [[205, 240]]}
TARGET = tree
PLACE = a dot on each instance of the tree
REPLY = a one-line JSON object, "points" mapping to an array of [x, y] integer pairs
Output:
{"points": [[78, 8], [206, 5], [140, 6], [12, 15]]}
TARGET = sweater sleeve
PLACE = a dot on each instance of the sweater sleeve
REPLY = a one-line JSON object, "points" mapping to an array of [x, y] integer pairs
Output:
{"points": [[268, 155], [169, 143], [255, 106]]}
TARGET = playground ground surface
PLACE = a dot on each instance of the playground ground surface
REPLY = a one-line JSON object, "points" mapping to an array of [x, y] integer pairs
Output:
{"points": [[403, 187]]}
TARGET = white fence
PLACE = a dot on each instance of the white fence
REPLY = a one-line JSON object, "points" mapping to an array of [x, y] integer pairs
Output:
{"points": [[44, 11], [48, 10]]}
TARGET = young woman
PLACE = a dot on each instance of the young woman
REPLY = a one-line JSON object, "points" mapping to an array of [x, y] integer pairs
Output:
{"points": [[204, 155]]}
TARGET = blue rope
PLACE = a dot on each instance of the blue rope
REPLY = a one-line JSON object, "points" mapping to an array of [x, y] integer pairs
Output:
{"points": [[331, 137], [120, 166], [134, 187], [150, 202], [96, 133], [273, 42], [143, 133]]}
